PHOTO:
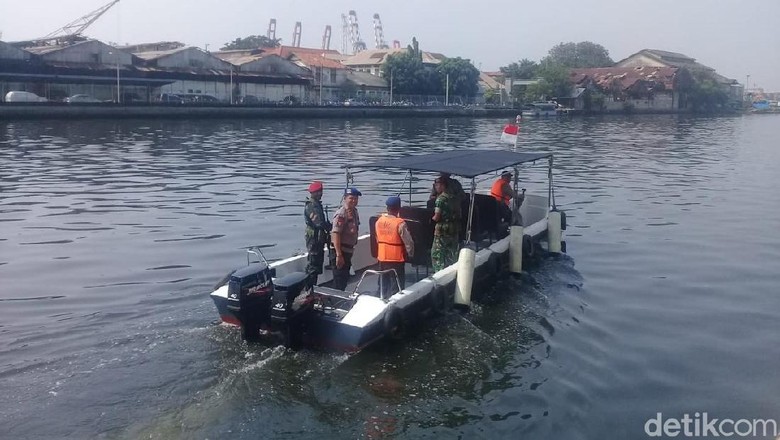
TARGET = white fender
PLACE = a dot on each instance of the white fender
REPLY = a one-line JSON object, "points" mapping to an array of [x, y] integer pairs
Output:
{"points": [[554, 232], [465, 278], [516, 249]]}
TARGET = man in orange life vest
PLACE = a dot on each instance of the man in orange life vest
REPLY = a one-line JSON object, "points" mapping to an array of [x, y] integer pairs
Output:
{"points": [[393, 238], [502, 191]]}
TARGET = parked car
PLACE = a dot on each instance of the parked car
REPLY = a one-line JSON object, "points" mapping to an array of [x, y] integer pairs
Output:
{"points": [[17, 96], [131, 98], [170, 98], [80, 99], [249, 100]]}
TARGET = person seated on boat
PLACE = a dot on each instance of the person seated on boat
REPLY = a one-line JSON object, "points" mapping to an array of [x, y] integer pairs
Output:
{"points": [[444, 250], [502, 191], [316, 235], [394, 244], [344, 236]]}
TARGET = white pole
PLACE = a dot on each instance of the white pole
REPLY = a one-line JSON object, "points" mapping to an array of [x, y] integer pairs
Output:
{"points": [[447, 91], [118, 94], [321, 69], [231, 85], [391, 87]]}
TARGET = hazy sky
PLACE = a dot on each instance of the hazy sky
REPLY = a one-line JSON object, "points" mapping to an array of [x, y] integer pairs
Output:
{"points": [[737, 38]]}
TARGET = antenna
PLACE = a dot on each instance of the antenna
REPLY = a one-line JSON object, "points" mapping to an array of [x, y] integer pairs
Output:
{"points": [[379, 35], [271, 29], [296, 41], [326, 38]]}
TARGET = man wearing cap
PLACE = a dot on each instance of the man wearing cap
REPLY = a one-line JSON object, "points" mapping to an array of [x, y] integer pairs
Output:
{"points": [[444, 250], [393, 238], [317, 228], [502, 191], [345, 235]]}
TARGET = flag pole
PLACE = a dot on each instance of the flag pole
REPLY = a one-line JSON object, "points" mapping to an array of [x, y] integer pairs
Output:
{"points": [[517, 122]]}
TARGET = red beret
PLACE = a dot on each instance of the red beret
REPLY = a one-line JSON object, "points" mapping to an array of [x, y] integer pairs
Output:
{"points": [[315, 186]]}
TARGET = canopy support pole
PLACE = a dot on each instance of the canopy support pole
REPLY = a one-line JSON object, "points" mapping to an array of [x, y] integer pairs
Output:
{"points": [[550, 191], [471, 210]]}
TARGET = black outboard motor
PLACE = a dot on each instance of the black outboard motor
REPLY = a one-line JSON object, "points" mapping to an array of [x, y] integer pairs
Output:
{"points": [[291, 303], [250, 290]]}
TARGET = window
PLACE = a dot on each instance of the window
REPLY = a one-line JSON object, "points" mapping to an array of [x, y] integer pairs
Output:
{"points": [[333, 76]]}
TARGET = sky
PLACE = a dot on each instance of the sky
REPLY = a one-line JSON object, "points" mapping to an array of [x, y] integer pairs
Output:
{"points": [[736, 37]]}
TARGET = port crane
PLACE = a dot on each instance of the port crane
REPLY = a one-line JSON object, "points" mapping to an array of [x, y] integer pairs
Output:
{"points": [[71, 32]]}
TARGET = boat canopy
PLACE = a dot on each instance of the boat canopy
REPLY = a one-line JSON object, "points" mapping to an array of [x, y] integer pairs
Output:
{"points": [[464, 163]]}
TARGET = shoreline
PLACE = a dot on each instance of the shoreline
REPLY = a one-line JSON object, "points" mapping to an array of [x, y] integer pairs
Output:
{"points": [[34, 111], [110, 111]]}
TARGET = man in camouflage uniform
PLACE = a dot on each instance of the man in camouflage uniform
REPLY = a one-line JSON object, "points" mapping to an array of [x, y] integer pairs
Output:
{"points": [[444, 251], [317, 228]]}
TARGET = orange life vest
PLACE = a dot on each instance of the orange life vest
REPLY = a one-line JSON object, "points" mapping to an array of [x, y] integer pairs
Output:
{"points": [[390, 247], [496, 192]]}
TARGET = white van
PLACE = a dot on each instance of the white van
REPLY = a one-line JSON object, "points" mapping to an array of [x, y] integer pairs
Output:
{"points": [[17, 96]]}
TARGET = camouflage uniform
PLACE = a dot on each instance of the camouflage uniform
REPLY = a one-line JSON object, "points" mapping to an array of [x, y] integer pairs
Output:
{"points": [[444, 251], [317, 228]]}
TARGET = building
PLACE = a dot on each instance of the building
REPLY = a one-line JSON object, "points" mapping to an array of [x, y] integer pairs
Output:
{"points": [[662, 58], [85, 67], [142, 73], [329, 76], [639, 88], [491, 89], [367, 88], [371, 61], [282, 77]]}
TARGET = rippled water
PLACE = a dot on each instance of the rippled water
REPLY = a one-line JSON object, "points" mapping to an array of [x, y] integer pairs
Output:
{"points": [[112, 234]]}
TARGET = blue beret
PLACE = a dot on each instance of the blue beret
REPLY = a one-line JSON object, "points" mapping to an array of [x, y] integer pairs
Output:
{"points": [[393, 201], [352, 192]]}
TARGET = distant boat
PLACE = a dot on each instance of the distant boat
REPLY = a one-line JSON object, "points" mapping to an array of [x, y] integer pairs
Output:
{"points": [[536, 109]]}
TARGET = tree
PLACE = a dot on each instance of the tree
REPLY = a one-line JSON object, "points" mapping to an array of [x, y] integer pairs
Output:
{"points": [[409, 75], [582, 54], [524, 69], [405, 70], [464, 77], [554, 82], [706, 94], [251, 42]]}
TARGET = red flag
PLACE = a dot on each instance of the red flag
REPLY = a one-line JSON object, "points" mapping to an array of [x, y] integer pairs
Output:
{"points": [[509, 135]]}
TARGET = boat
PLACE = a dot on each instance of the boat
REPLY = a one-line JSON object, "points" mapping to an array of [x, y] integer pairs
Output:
{"points": [[536, 109], [270, 300]]}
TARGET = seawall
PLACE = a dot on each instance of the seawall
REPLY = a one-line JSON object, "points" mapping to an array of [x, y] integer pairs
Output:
{"points": [[21, 111]]}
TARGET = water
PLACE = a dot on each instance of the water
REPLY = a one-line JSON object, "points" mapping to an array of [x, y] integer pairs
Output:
{"points": [[112, 234]]}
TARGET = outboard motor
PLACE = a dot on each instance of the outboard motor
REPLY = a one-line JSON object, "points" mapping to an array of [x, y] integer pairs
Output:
{"points": [[290, 305], [250, 290]]}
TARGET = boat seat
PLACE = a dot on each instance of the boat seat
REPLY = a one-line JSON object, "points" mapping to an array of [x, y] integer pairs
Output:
{"points": [[486, 222]]}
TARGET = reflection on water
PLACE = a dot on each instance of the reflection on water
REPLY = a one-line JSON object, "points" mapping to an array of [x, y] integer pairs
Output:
{"points": [[113, 232]]}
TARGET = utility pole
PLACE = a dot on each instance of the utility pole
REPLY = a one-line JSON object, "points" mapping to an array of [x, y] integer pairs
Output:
{"points": [[321, 69], [118, 90], [118, 93], [447, 92], [391, 87]]}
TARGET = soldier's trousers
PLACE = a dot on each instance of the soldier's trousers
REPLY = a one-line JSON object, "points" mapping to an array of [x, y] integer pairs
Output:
{"points": [[315, 260]]}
